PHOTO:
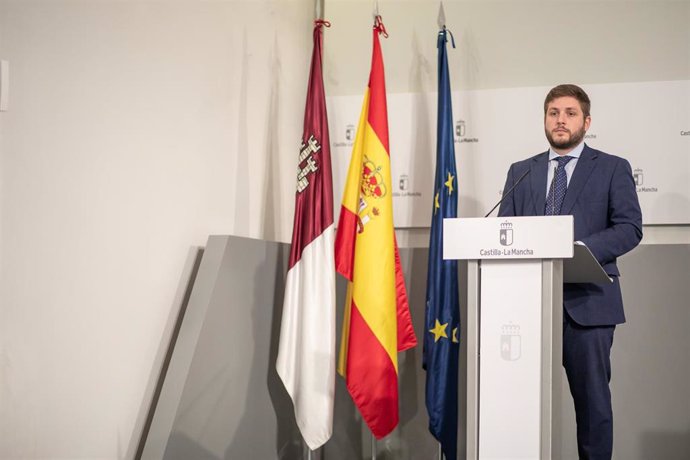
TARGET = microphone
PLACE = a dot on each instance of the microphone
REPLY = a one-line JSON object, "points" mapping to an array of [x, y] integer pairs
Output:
{"points": [[505, 195]]}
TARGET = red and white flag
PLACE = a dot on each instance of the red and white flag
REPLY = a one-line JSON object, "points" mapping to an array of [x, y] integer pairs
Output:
{"points": [[306, 353]]}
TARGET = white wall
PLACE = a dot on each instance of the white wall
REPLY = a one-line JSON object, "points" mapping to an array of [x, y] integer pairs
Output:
{"points": [[135, 130], [138, 128]]}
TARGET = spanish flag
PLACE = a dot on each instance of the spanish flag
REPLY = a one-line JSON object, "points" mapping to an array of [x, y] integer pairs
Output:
{"points": [[377, 323]]}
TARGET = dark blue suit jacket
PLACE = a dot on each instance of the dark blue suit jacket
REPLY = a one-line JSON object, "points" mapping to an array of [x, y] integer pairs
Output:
{"points": [[601, 197]]}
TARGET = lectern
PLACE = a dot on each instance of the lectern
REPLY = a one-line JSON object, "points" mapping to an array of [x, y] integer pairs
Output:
{"points": [[516, 270]]}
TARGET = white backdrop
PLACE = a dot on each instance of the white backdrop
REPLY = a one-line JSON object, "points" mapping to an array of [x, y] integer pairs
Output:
{"points": [[648, 123]]}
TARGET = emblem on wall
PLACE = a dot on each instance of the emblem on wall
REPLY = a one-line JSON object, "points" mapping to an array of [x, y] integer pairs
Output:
{"points": [[639, 177], [460, 128], [350, 133], [404, 182]]}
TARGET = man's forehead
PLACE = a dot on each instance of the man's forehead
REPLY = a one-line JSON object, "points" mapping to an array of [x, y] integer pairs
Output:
{"points": [[564, 103]]}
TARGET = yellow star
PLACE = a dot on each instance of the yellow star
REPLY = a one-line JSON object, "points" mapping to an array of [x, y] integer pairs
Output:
{"points": [[436, 205], [449, 183], [439, 331], [455, 335]]}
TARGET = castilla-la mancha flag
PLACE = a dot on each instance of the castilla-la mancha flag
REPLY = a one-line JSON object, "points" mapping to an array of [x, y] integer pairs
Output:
{"points": [[376, 323], [306, 353]]}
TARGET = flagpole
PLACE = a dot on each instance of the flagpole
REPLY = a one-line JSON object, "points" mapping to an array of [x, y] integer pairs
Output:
{"points": [[318, 15], [318, 9], [373, 439], [442, 296]]}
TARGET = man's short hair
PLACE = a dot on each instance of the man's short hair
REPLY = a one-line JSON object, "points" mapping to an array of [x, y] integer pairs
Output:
{"points": [[569, 90]]}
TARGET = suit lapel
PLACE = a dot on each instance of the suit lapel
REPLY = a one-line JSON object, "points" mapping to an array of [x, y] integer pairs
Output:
{"points": [[538, 170], [583, 169]]}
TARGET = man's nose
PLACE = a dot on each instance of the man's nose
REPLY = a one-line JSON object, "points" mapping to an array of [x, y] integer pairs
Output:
{"points": [[562, 117]]}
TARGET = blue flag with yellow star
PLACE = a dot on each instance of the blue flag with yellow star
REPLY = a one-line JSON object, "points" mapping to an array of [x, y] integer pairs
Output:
{"points": [[442, 319]]}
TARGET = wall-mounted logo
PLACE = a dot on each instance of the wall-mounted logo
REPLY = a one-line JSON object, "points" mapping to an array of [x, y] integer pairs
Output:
{"points": [[350, 133], [460, 128], [349, 137], [505, 236], [511, 342], [638, 174], [404, 182], [404, 189], [685, 133], [461, 133]]}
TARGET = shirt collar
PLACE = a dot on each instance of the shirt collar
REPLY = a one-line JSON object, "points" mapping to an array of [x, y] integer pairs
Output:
{"points": [[575, 153]]}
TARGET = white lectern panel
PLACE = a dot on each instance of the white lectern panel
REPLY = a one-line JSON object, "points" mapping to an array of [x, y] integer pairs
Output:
{"points": [[538, 237], [510, 350]]}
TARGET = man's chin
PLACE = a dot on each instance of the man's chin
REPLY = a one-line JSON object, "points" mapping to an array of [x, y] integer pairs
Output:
{"points": [[564, 144]]}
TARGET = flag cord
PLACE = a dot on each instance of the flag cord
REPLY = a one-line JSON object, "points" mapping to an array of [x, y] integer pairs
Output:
{"points": [[379, 27], [445, 31]]}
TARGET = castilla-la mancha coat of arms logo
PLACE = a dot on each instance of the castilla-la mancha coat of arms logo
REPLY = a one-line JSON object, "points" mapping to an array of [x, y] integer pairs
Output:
{"points": [[506, 234], [511, 346]]}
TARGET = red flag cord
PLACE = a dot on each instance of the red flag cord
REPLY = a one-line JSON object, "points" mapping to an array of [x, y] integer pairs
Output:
{"points": [[379, 27]]}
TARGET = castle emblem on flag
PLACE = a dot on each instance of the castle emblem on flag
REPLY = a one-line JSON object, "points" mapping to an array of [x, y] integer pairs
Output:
{"points": [[506, 234], [307, 165]]}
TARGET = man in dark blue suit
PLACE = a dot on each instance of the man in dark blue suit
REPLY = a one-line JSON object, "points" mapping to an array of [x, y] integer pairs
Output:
{"points": [[598, 190]]}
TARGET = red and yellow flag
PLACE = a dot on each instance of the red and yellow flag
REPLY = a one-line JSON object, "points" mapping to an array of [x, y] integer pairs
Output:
{"points": [[377, 323]]}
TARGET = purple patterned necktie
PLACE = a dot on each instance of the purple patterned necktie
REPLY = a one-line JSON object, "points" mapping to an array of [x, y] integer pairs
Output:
{"points": [[554, 200]]}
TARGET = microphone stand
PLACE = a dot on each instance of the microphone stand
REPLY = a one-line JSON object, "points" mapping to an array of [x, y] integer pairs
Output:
{"points": [[505, 195]]}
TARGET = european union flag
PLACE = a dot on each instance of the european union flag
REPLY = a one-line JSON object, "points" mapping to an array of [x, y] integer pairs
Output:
{"points": [[442, 320]]}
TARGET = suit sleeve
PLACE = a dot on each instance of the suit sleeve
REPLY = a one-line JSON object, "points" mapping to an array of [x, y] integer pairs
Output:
{"points": [[624, 230], [507, 208]]}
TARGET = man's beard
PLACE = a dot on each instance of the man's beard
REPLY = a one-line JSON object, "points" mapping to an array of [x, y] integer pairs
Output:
{"points": [[573, 141]]}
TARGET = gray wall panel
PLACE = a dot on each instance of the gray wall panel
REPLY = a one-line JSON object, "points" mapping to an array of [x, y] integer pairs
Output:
{"points": [[233, 405], [651, 356]]}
